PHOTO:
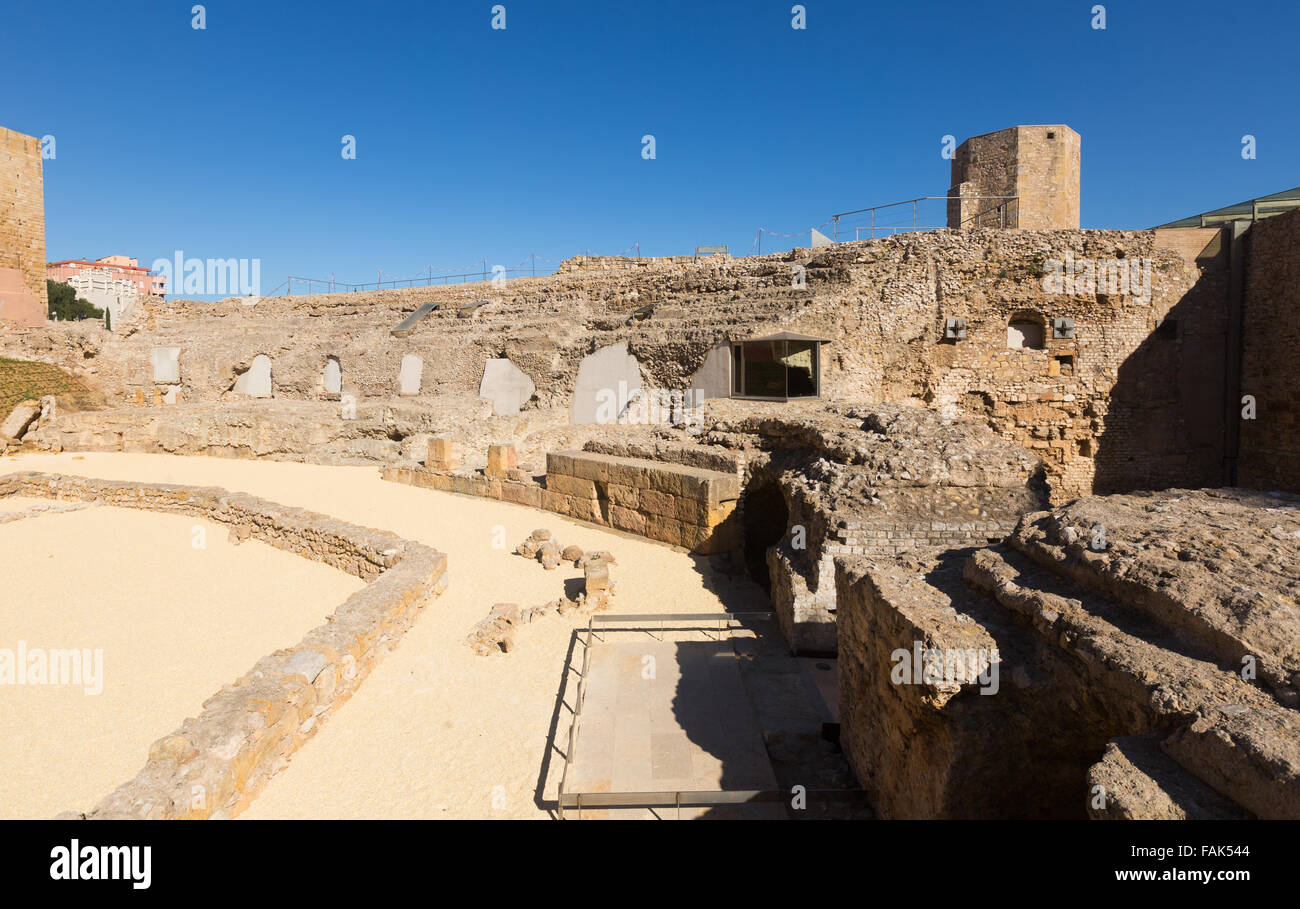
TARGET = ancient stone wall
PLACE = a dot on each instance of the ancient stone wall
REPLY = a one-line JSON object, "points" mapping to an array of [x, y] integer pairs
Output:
{"points": [[1270, 443], [684, 506], [22, 219], [215, 764], [678, 504], [1110, 404], [1037, 165], [1146, 664]]}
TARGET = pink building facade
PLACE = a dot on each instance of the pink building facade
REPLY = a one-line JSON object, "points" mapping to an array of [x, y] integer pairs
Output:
{"points": [[118, 268]]}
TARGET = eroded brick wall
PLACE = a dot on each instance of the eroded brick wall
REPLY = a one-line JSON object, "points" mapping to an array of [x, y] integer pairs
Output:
{"points": [[1117, 406], [1270, 444], [22, 211]]}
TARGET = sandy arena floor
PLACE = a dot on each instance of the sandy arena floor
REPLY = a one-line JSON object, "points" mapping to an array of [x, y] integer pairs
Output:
{"points": [[173, 624], [436, 731]]}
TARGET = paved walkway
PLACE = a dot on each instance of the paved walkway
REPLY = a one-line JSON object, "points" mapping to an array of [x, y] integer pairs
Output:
{"points": [[667, 716]]}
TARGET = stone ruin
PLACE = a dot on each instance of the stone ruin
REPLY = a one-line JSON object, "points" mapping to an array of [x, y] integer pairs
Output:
{"points": [[1056, 558], [497, 631]]}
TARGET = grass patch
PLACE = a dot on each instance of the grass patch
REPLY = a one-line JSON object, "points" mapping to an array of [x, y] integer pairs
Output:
{"points": [[23, 379]]}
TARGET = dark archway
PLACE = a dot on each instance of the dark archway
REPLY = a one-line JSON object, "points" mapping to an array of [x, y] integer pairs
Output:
{"points": [[765, 520]]}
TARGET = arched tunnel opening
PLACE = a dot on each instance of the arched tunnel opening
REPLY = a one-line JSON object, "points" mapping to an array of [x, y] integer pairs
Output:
{"points": [[765, 519]]}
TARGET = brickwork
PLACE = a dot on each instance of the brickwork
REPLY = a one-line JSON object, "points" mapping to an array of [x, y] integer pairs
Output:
{"points": [[1039, 165], [1270, 443], [1126, 410], [22, 212], [683, 506]]}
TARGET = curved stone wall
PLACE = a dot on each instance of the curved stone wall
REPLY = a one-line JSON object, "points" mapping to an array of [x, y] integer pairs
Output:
{"points": [[216, 763]]}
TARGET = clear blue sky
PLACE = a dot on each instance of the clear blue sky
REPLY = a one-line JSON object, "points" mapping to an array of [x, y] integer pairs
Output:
{"points": [[474, 143]]}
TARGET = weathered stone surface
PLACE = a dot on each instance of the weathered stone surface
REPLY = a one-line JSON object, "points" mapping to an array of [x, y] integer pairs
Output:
{"points": [[247, 730], [1220, 568], [500, 460], [444, 454], [15, 425], [595, 577], [1135, 780], [548, 553], [1096, 645]]}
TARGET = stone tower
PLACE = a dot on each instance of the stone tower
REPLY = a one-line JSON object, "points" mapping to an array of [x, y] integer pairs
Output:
{"points": [[22, 230], [1038, 165]]}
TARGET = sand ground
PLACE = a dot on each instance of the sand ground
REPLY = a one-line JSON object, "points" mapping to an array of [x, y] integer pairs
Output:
{"points": [[436, 731], [172, 623]]}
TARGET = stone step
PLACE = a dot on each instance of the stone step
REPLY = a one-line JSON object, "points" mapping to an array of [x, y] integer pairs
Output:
{"points": [[1219, 570], [1136, 781], [1229, 733]]}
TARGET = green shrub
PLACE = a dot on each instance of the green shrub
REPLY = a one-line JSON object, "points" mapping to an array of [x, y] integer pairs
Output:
{"points": [[66, 305]]}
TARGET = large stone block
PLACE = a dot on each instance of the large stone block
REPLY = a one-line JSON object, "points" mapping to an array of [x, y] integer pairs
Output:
{"points": [[19, 419], [444, 454], [500, 459], [571, 486]]}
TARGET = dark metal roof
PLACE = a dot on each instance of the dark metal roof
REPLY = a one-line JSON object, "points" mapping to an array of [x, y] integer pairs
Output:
{"points": [[788, 336]]}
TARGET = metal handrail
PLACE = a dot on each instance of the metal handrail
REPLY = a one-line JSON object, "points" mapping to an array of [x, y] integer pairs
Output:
{"points": [[835, 219], [576, 799]]}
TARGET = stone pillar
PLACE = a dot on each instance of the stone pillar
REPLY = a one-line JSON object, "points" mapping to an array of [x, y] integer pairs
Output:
{"points": [[444, 454], [501, 458]]}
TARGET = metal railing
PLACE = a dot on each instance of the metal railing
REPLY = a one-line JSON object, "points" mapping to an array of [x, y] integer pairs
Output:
{"points": [[683, 798], [1002, 211], [297, 284]]}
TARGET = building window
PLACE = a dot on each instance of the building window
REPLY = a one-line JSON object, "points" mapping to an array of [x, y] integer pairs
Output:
{"points": [[777, 368]]}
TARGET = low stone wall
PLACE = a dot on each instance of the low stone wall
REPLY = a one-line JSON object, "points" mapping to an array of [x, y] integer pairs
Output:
{"points": [[684, 506], [521, 491], [927, 747], [215, 764], [1135, 676], [672, 503]]}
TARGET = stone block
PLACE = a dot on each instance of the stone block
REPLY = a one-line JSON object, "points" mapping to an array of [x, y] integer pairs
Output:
{"points": [[500, 459], [571, 486], [19, 419], [595, 577], [444, 454], [627, 519]]}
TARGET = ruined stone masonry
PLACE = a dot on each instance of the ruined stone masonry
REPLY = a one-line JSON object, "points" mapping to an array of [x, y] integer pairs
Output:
{"points": [[1016, 496], [23, 299], [249, 729]]}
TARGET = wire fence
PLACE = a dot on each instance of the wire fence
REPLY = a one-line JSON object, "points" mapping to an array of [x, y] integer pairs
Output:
{"points": [[911, 215], [924, 213]]}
